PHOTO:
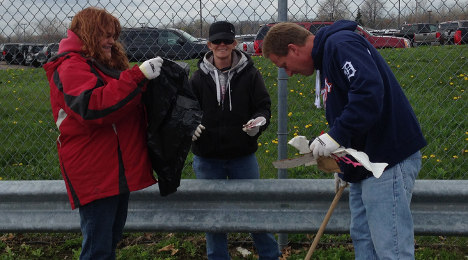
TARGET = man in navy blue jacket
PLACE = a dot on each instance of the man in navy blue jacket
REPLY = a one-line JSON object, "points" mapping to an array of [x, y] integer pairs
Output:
{"points": [[366, 110]]}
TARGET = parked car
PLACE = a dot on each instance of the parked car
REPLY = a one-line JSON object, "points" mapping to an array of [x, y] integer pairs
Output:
{"points": [[383, 41], [312, 26], [145, 43], [245, 43], [31, 56], [453, 32], [419, 33], [9, 51], [48, 51], [20, 55], [378, 41]]}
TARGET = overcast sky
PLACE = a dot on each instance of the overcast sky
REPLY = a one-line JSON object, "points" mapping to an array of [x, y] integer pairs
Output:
{"points": [[24, 15]]}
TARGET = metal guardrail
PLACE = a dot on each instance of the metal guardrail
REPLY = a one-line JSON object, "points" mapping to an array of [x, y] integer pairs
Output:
{"points": [[440, 207]]}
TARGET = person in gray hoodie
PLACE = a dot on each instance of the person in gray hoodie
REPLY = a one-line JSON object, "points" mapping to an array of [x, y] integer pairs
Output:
{"points": [[236, 110], [367, 110]]}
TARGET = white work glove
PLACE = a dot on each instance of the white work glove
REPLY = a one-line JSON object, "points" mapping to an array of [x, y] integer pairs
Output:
{"points": [[152, 67], [197, 132], [323, 145], [300, 143], [339, 182], [253, 125]]}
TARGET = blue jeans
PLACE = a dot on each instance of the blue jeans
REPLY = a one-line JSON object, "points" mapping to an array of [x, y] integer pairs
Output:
{"points": [[381, 221], [102, 222], [239, 168]]}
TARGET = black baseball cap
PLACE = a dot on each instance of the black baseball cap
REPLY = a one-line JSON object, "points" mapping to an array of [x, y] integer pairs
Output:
{"points": [[222, 31]]}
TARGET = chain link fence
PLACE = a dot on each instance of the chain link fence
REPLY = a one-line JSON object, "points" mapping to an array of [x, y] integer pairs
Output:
{"points": [[434, 77]]}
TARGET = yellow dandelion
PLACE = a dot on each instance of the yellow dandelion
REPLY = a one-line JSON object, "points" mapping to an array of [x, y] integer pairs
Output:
{"points": [[259, 144], [432, 156], [412, 76], [267, 151], [290, 114], [445, 149], [455, 157], [14, 122], [1, 178], [424, 156], [397, 66], [295, 134], [292, 90], [451, 83], [40, 121], [20, 164], [300, 93], [438, 160], [17, 108]]}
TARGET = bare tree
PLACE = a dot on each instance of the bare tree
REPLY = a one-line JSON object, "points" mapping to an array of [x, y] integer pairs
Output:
{"points": [[51, 30], [372, 12], [333, 10]]}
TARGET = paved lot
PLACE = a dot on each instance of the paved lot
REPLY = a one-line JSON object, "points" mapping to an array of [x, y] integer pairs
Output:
{"points": [[4, 66]]}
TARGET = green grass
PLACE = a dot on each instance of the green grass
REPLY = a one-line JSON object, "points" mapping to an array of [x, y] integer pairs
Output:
{"points": [[433, 77], [174, 246]]}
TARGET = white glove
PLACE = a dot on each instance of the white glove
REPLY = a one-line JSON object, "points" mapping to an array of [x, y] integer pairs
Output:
{"points": [[152, 67], [323, 145], [300, 143], [253, 125], [197, 132], [339, 182]]}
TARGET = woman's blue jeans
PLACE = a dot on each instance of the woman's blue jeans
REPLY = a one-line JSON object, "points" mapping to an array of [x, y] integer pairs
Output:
{"points": [[381, 221], [238, 168], [102, 222]]}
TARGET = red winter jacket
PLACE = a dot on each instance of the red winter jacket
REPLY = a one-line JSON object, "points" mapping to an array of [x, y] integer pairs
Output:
{"points": [[102, 142]]}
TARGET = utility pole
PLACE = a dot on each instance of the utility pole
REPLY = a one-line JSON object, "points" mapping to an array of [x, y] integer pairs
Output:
{"points": [[201, 20], [24, 31]]}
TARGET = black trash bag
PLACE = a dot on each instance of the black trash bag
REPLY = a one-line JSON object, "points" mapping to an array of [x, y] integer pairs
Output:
{"points": [[173, 114]]}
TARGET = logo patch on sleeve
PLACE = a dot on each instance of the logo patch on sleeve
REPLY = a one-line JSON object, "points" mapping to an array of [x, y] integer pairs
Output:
{"points": [[348, 69]]}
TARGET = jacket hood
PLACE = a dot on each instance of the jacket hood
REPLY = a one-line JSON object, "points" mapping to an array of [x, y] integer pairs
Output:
{"points": [[72, 43], [239, 61], [322, 36]]}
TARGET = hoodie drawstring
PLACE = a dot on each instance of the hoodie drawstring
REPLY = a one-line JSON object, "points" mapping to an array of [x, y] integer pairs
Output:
{"points": [[218, 87], [317, 89]]}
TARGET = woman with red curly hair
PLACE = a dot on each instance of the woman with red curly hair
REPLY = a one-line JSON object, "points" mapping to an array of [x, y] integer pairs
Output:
{"points": [[97, 107]]}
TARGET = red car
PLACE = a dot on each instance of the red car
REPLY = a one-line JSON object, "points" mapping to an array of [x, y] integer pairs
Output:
{"points": [[382, 41], [378, 41]]}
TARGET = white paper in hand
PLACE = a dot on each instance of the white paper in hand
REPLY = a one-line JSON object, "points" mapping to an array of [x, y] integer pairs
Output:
{"points": [[376, 168], [259, 121]]}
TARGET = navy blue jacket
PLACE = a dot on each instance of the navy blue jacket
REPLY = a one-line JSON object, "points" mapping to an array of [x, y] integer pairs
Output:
{"points": [[365, 106]]}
